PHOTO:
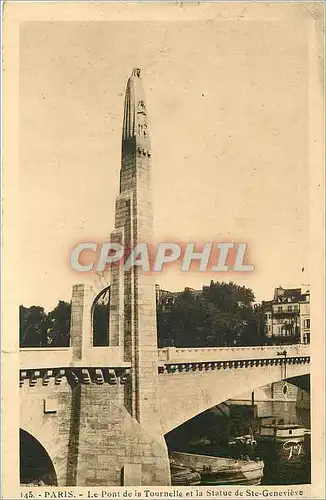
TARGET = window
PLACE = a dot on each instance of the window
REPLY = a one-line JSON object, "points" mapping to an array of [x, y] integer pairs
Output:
{"points": [[307, 323], [290, 308], [279, 309]]}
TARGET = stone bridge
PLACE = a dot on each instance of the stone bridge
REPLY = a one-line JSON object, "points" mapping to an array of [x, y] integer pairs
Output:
{"points": [[70, 405], [98, 415], [208, 376]]}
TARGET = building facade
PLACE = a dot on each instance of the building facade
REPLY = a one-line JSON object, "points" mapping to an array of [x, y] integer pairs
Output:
{"points": [[287, 317], [166, 299]]}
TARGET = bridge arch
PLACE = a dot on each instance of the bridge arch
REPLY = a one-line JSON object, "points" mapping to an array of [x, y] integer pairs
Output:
{"points": [[50, 427], [184, 395], [36, 466]]}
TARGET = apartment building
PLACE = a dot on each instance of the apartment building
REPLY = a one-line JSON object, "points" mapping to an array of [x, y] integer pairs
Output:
{"points": [[287, 316]]}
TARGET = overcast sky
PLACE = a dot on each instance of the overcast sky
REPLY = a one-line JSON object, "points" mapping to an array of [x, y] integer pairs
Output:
{"points": [[228, 110]]}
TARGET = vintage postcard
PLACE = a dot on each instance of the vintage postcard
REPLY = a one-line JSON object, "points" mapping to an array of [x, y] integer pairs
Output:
{"points": [[163, 250]]}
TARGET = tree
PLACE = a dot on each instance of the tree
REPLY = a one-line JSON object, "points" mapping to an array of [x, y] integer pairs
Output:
{"points": [[39, 329], [58, 332], [33, 324], [221, 315]]}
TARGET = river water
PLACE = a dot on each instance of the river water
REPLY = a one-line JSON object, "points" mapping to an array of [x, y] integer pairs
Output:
{"points": [[282, 466]]}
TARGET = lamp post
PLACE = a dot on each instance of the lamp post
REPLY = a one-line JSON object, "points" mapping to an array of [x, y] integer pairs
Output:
{"points": [[283, 353]]}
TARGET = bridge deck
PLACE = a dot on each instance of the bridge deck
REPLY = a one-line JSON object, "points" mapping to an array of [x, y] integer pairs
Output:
{"points": [[210, 354], [56, 357]]}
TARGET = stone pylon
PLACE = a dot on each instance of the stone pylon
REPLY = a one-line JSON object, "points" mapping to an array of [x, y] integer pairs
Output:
{"points": [[115, 435], [133, 312], [132, 296]]}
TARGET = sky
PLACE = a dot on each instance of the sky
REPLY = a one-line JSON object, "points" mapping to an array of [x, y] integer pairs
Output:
{"points": [[228, 113]]}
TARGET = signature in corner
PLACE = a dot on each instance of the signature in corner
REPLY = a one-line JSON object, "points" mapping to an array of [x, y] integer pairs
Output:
{"points": [[294, 448]]}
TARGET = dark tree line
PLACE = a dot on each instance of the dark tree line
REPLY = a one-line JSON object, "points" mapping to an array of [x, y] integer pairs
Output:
{"points": [[40, 329], [221, 315]]}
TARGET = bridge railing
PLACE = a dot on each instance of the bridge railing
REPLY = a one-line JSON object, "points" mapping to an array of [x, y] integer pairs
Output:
{"points": [[60, 357], [202, 354], [44, 357]]}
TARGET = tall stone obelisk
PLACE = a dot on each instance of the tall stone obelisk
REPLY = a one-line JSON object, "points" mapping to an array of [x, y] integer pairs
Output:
{"points": [[133, 300], [115, 434]]}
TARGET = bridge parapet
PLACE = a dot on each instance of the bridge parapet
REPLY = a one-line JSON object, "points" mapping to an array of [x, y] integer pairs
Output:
{"points": [[58, 357], [74, 376], [193, 380], [99, 365], [209, 354]]}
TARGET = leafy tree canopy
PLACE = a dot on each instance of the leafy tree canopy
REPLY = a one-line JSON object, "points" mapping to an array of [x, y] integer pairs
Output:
{"points": [[40, 329], [222, 314]]}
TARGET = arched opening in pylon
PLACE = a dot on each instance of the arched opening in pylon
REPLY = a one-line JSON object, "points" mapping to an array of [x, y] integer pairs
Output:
{"points": [[36, 467], [101, 318]]}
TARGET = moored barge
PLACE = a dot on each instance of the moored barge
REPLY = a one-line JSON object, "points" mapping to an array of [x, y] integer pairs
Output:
{"points": [[220, 470]]}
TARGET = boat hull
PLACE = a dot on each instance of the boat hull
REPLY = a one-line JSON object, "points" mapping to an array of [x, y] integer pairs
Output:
{"points": [[240, 482], [221, 471], [184, 476], [291, 439], [282, 434]]}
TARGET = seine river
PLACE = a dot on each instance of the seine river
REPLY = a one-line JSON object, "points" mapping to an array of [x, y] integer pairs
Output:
{"points": [[282, 466]]}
